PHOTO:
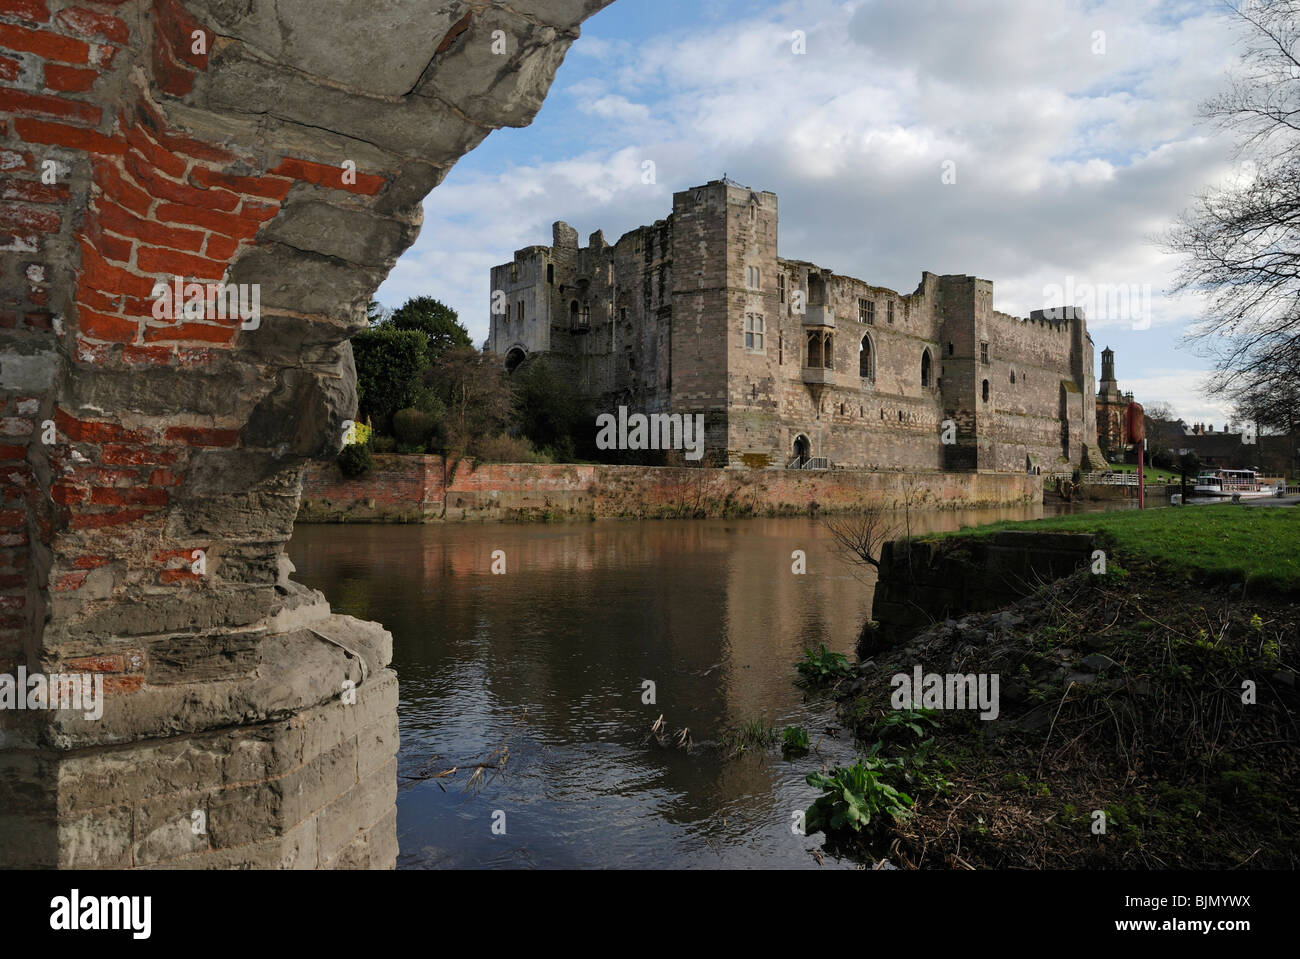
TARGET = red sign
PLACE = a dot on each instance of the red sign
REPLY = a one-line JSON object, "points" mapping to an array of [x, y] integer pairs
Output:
{"points": [[1135, 424]]}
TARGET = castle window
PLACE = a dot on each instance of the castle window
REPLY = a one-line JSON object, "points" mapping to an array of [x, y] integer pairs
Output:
{"points": [[1013, 377], [866, 360], [950, 349], [863, 305], [550, 273], [514, 271], [586, 315], [752, 277], [519, 311], [780, 287], [871, 313], [622, 313], [814, 349], [985, 391], [900, 416], [889, 314], [927, 369], [780, 348], [984, 353], [754, 332]]}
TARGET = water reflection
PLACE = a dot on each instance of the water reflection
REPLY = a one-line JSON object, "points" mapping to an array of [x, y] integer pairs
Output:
{"points": [[550, 659]]}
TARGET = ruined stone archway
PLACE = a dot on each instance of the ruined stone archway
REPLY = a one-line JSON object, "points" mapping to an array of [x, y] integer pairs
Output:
{"points": [[515, 358], [151, 462]]}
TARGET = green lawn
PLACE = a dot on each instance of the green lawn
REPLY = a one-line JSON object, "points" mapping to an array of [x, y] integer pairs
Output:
{"points": [[1154, 475], [1257, 544]]}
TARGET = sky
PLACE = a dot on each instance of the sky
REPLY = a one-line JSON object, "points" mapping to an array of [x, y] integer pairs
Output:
{"points": [[1045, 145]]}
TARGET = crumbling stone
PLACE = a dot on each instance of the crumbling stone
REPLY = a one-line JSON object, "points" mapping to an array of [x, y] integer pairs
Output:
{"points": [[151, 463]]}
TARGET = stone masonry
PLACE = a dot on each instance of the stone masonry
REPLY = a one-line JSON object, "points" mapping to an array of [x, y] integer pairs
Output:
{"points": [[151, 464], [697, 313]]}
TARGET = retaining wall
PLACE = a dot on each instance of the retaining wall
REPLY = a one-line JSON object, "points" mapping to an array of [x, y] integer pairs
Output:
{"points": [[429, 489]]}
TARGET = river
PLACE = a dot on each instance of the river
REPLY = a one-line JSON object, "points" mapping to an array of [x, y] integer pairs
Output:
{"points": [[548, 661]]}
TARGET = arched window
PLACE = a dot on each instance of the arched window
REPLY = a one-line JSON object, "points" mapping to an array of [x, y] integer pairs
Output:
{"points": [[573, 314], [866, 360], [927, 371], [513, 359], [985, 391]]}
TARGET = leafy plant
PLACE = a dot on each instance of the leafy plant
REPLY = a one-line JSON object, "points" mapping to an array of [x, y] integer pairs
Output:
{"points": [[852, 796], [913, 720], [823, 666], [355, 459], [794, 741]]}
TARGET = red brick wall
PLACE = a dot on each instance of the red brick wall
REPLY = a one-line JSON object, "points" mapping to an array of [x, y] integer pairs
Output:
{"points": [[134, 201], [408, 488]]}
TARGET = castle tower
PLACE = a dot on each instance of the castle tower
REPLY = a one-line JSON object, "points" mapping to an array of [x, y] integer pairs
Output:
{"points": [[723, 307]]}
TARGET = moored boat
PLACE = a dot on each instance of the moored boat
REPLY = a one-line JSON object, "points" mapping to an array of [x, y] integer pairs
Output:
{"points": [[1231, 484]]}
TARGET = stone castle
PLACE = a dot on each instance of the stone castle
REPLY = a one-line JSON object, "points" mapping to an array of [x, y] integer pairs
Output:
{"points": [[793, 365]]}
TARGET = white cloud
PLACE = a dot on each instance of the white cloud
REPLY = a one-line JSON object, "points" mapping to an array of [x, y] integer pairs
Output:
{"points": [[1069, 163]]}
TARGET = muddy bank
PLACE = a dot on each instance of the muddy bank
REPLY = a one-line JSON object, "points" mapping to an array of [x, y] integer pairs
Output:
{"points": [[1144, 721]]}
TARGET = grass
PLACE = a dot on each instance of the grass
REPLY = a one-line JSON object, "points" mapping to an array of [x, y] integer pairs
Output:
{"points": [[1152, 474], [1257, 545], [756, 733]]}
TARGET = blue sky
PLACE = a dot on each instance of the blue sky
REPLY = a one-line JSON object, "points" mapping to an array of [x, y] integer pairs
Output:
{"points": [[1071, 128]]}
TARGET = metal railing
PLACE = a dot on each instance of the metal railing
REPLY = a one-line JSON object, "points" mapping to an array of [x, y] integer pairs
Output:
{"points": [[1110, 479], [809, 463]]}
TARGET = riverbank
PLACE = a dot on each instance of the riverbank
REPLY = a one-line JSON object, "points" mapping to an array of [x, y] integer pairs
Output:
{"points": [[1145, 717], [429, 489]]}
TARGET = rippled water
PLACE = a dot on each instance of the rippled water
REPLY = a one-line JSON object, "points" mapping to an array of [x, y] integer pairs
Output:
{"points": [[549, 659]]}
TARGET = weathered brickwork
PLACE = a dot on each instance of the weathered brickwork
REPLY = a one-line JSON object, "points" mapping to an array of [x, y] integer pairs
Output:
{"points": [[150, 461], [698, 314], [414, 489]]}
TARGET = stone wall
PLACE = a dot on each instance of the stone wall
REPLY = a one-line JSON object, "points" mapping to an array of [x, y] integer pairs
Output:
{"points": [[151, 460], [929, 581], [420, 488]]}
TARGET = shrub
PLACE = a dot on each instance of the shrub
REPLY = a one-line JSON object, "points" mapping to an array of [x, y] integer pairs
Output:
{"points": [[355, 459], [389, 364], [383, 444], [504, 449], [412, 427]]}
